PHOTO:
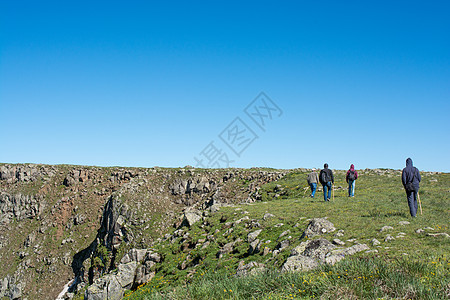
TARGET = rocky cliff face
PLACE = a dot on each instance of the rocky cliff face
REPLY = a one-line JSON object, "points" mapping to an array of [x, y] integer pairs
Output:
{"points": [[72, 224]]}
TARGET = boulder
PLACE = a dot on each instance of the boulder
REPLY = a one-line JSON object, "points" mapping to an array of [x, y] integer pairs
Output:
{"points": [[254, 247], [192, 216], [299, 263], [253, 235], [310, 254], [318, 226], [105, 288], [125, 274]]}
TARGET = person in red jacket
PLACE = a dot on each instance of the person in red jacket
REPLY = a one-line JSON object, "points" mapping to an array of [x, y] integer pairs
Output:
{"points": [[351, 177]]}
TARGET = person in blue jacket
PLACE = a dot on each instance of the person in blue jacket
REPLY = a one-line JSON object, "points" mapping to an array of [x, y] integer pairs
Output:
{"points": [[410, 179]]}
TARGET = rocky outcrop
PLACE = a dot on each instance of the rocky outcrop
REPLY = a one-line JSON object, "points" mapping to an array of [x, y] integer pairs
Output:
{"points": [[312, 253], [134, 269], [10, 289], [20, 206], [25, 173], [113, 228]]}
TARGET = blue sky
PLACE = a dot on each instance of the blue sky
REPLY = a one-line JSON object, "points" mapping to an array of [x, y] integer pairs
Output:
{"points": [[144, 83]]}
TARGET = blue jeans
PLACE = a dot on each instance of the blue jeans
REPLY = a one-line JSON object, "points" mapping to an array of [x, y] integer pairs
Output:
{"points": [[325, 188], [351, 188], [313, 187]]}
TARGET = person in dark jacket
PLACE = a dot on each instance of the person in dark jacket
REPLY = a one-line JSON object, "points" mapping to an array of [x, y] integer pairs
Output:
{"points": [[351, 177], [411, 179], [326, 178]]}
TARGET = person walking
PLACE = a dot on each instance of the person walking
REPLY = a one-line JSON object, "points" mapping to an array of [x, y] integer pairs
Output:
{"points": [[313, 180], [411, 179], [351, 177], [326, 179]]}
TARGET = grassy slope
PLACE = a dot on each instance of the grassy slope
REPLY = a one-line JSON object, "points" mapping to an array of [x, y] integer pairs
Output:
{"points": [[415, 266]]}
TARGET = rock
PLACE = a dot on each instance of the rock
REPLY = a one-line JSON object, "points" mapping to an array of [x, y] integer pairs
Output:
{"points": [[384, 228], [375, 242], [438, 234], [314, 248], [428, 228], [283, 234], [10, 288], [355, 248], [403, 223], [267, 216], [19, 206], [389, 238], [253, 235], [340, 233], [125, 274], [338, 242], [420, 230], [136, 255], [252, 268], [299, 263], [191, 217], [312, 253], [318, 226], [254, 247], [227, 248], [283, 245], [105, 288], [29, 240]]}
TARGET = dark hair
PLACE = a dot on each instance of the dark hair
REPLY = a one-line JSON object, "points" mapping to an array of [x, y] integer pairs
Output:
{"points": [[325, 166]]}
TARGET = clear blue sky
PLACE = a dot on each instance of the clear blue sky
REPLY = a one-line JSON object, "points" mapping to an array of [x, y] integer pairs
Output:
{"points": [[144, 83]]}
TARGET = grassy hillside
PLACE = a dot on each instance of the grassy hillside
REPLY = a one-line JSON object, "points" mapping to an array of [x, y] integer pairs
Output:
{"points": [[413, 265]]}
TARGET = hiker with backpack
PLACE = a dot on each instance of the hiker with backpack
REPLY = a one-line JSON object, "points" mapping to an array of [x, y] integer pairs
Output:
{"points": [[410, 179], [351, 177], [326, 179], [313, 180]]}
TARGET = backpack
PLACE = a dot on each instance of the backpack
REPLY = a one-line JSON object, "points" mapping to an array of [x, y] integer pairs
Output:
{"points": [[409, 187], [351, 176], [324, 177]]}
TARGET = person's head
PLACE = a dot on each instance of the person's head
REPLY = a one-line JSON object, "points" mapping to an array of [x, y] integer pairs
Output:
{"points": [[352, 167], [325, 166], [313, 169], [409, 162]]}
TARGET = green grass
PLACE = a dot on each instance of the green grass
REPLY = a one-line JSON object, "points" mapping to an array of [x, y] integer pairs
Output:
{"points": [[358, 278], [415, 266]]}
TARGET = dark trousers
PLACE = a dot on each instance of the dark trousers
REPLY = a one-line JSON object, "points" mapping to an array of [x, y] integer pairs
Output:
{"points": [[412, 202]]}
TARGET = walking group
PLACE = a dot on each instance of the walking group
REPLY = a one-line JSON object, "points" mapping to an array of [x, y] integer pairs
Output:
{"points": [[410, 180]]}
